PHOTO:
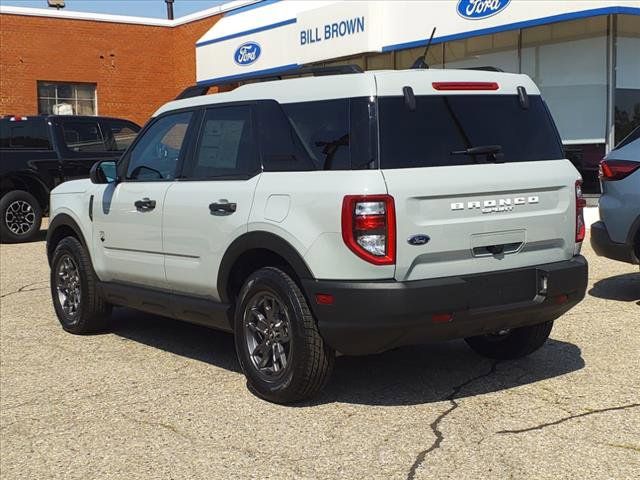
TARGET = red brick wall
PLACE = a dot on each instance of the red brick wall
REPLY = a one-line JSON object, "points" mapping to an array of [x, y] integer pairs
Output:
{"points": [[136, 68]]}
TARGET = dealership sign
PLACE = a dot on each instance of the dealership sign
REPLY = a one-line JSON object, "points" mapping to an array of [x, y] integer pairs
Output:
{"points": [[272, 37], [247, 53], [479, 9]]}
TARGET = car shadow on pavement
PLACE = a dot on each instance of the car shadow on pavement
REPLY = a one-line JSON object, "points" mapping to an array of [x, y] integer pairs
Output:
{"points": [[624, 288], [181, 338], [404, 376]]}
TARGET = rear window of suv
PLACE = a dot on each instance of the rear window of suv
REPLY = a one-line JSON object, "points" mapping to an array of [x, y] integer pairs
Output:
{"points": [[441, 125], [25, 134]]}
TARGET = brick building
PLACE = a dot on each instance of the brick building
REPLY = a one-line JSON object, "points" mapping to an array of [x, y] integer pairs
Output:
{"points": [[68, 62]]}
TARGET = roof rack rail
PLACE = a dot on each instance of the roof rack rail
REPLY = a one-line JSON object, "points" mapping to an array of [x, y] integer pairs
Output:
{"points": [[486, 68], [202, 89]]}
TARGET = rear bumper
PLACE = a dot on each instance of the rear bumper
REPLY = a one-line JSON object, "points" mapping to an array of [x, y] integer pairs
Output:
{"points": [[605, 247], [369, 317]]}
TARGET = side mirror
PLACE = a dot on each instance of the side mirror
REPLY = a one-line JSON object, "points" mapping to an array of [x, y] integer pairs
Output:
{"points": [[103, 172]]}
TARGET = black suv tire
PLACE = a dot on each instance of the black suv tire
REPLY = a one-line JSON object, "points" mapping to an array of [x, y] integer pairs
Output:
{"points": [[76, 300], [20, 217], [515, 343], [273, 318]]}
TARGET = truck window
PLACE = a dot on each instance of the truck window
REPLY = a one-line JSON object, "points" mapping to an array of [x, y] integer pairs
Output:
{"points": [[26, 134], [441, 125], [83, 136], [123, 134]]}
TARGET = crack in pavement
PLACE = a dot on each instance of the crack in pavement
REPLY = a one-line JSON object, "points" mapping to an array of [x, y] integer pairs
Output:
{"points": [[25, 287], [570, 417], [166, 426], [420, 458]]}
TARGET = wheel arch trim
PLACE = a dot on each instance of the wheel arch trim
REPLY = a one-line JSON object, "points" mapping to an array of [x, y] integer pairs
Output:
{"points": [[263, 241], [63, 220]]}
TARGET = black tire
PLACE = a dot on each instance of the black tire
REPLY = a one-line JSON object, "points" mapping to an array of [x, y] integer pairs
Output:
{"points": [[92, 312], [20, 217], [309, 361], [516, 343]]}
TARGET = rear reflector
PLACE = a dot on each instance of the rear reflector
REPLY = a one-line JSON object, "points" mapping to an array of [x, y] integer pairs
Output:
{"points": [[580, 204], [611, 170], [441, 317], [561, 299], [324, 299], [465, 85]]}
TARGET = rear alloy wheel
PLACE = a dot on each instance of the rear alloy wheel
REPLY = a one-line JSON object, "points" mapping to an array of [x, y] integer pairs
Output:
{"points": [[513, 343], [278, 344], [20, 217]]}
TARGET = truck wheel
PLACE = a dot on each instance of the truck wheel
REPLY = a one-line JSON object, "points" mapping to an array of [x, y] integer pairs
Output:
{"points": [[280, 350], [510, 344], [20, 217], [76, 300]]}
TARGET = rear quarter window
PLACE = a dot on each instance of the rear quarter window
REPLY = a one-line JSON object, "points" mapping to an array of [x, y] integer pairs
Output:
{"points": [[441, 125], [24, 135]]}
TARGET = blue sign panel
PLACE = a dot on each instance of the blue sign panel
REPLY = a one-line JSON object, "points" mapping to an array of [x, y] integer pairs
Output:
{"points": [[247, 53], [479, 9]]}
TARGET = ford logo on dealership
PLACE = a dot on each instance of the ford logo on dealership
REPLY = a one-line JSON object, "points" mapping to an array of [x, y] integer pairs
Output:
{"points": [[478, 9], [247, 53]]}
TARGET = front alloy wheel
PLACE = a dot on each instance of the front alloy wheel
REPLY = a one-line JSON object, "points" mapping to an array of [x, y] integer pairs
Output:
{"points": [[68, 285]]}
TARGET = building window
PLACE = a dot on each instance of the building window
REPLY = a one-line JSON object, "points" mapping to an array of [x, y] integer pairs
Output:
{"points": [[67, 98], [497, 50], [627, 94], [568, 62]]}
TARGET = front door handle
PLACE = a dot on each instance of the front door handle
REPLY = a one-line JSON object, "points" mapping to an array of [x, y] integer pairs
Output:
{"points": [[222, 207], [145, 205]]}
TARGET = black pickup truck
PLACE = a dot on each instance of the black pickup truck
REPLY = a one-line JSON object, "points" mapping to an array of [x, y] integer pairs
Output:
{"points": [[39, 152]]}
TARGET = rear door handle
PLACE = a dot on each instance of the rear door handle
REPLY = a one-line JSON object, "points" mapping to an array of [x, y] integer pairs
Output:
{"points": [[222, 207], [145, 205]]}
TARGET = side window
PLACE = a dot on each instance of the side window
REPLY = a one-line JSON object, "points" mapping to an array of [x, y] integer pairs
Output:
{"points": [[156, 155], [323, 127], [83, 136], [226, 146], [280, 146], [25, 135], [123, 134]]}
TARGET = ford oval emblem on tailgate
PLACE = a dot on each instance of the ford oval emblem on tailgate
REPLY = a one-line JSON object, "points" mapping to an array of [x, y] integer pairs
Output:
{"points": [[418, 239], [479, 9], [247, 53]]}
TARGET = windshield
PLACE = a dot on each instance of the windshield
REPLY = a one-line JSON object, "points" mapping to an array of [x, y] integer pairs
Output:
{"points": [[449, 130]]}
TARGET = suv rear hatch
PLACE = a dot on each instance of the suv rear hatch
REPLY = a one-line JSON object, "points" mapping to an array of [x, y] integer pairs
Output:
{"points": [[475, 164]]}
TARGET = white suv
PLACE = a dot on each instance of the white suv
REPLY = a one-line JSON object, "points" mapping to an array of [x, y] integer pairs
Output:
{"points": [[350, 213]]}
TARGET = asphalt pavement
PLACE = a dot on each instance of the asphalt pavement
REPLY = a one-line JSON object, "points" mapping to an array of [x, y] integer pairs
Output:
{"points": [[159, 399]]}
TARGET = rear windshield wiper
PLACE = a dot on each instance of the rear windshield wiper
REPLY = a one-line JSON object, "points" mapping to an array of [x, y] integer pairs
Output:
{"points": [[493, 152]]}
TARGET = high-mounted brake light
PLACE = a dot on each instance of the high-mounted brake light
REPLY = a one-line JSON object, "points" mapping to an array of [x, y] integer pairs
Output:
{"points": [[580, 204], [465, 85], [369, 227], [611, 170], [18, 119]]}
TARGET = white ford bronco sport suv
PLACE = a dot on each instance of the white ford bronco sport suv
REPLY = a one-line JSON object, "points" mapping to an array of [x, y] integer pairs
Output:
{"points": [[348, 213]]}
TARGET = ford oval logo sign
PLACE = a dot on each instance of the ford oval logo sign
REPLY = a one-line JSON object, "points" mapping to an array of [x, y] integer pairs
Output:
{"points": [[479, 9], [247, 53], [419, 239]]}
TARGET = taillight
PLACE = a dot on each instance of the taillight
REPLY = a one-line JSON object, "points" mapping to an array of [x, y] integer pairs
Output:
{"points": [[465, 85], [369, 227], [610, 170], [580, 204]]}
